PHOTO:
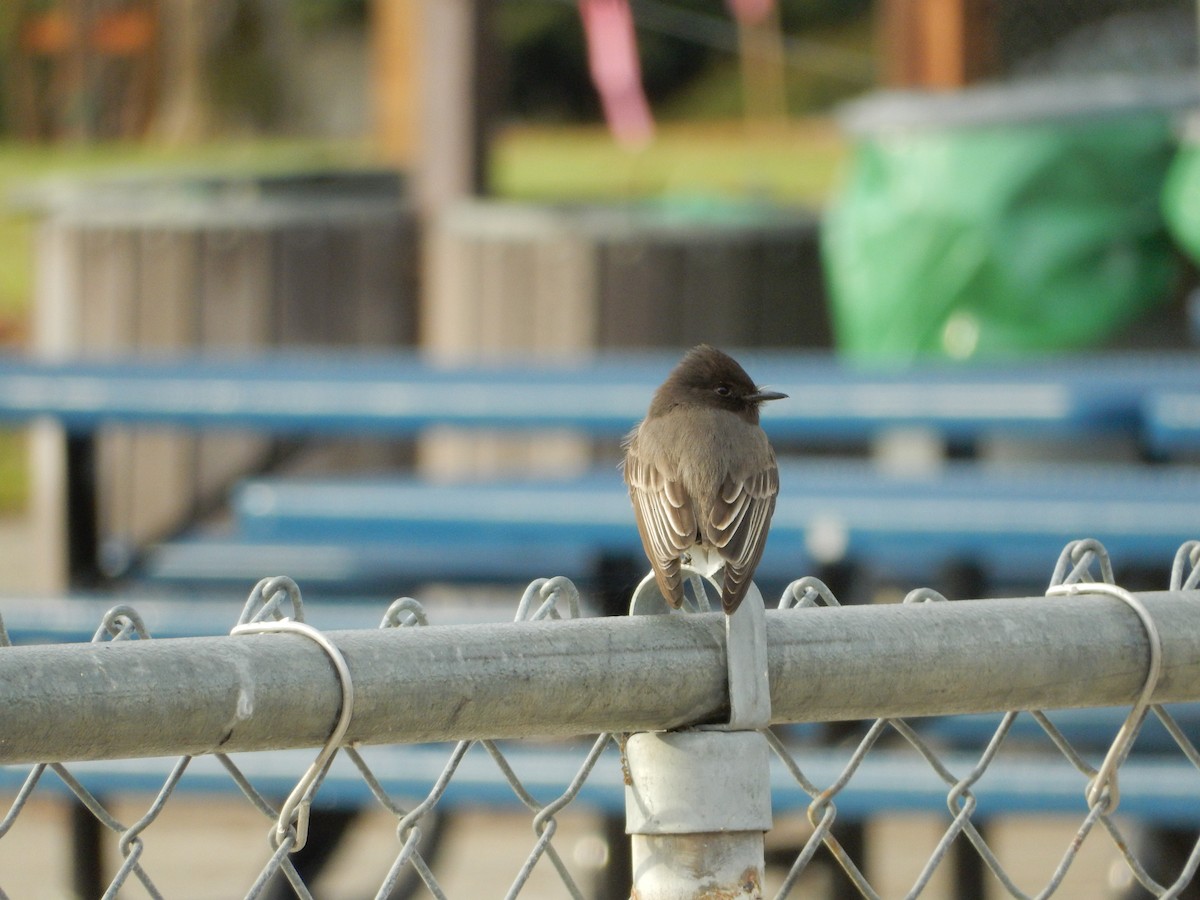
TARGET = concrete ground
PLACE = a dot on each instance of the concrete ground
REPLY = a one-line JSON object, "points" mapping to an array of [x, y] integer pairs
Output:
{"points": [[203, 850]]}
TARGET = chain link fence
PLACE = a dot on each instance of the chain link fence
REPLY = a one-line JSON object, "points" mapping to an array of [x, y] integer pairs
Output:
{"points": [[91, 702]]}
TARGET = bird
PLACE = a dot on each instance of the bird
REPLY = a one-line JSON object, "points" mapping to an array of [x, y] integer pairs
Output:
{"points": [[702, 475]]}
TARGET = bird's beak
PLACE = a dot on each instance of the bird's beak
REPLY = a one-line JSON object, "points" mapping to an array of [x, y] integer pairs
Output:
{"points": [[760, 395]]}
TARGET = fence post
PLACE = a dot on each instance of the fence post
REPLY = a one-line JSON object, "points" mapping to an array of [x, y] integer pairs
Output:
{"points": [[696, 806], [698, 802]]}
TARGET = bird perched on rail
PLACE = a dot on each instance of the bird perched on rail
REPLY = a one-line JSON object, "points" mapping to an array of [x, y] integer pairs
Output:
{"points": [[701, 473]]}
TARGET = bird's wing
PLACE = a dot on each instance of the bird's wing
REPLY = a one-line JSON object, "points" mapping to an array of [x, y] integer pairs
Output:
{"points": [[665, 518], [737, 526]]}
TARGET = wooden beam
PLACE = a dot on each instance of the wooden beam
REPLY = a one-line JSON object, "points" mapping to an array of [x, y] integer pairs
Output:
{"points": [[896, 27], [764, 87], [936, 43], [435, 80], [943, 37], [396, 63]]}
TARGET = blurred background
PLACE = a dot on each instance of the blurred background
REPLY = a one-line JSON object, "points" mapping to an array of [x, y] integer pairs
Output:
{"points": [[888, 181], [895, 179]]}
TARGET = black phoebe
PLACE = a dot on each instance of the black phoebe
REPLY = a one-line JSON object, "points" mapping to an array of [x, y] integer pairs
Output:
{"points": [[702, 473]]}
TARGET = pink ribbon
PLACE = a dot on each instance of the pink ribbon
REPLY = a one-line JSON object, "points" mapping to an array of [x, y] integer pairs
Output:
{"points": [[616, 71]]}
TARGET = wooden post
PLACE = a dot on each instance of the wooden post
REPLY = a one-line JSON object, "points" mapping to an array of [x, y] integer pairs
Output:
{"points": [[435, 72], [396, 63], [936, 43], [185, 112], [764, 88]]}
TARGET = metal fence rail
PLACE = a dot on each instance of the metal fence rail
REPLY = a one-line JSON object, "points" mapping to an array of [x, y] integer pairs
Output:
{"points": [[276, 683], [442, 683]]}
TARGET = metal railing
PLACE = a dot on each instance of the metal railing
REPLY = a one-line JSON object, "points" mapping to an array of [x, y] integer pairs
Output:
{"points": [[700, 760]]}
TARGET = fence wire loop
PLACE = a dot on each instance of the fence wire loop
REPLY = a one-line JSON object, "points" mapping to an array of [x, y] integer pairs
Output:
{"points": [[696, 600], [404, 613], [1185, 569], [268, 596], [121, 623], [548, 594], [924, 595], [1102, 789], [807, 591], [1076, 560], [294, 812]]}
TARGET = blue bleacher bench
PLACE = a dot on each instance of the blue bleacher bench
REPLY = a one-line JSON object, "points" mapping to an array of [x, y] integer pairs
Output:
{"points": [[365, 533], [1011, 522], [1171, 419], [402, 393]]}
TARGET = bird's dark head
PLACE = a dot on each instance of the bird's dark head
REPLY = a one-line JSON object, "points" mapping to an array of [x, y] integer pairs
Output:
{"points": [[707, 377]]}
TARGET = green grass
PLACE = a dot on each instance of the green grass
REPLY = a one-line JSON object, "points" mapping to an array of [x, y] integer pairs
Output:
{"points": [[793, 163]]}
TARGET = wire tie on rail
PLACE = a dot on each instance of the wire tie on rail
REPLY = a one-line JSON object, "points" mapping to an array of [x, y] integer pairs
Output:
{"points": [[294, 812], [1105, 780]]}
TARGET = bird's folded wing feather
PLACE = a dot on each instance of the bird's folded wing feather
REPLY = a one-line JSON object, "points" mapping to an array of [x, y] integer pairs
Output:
{"points": [[737, 526], [665, 518]]}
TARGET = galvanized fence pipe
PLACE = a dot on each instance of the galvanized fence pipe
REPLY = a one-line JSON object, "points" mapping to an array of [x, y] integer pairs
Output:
{"points": [[644, 673], [698, 801]]}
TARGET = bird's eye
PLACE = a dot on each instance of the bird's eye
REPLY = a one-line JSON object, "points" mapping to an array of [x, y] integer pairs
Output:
{"points": [[723, 390]]}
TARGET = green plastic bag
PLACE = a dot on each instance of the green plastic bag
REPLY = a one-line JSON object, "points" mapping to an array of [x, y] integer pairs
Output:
{"points": [[991, 241], [1181, 200]]}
